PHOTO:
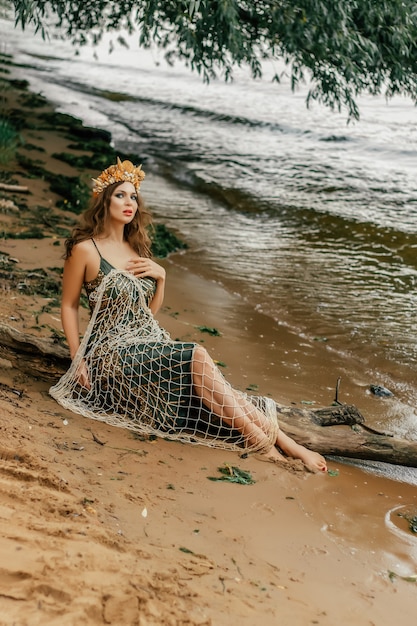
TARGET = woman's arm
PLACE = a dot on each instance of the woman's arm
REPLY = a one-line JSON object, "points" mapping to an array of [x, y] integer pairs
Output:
{"points": [[73, 278], [144, 267], [158, 298]]}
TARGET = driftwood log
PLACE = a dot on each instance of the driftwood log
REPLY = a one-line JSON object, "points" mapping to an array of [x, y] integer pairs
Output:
{"points": [[353, 441], [36, 356], [333, 431]]}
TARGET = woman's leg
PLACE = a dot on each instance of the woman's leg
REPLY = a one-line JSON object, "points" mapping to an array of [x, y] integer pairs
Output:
{"points": [[222, 400], [314, 461], [240, 414]]}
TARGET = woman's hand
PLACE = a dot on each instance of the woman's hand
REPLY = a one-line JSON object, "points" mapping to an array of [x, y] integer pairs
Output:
{"points": [[82, 374], [143, 267]]}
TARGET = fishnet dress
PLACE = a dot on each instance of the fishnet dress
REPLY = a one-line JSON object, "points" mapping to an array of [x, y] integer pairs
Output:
{"points": [[143, 380]]}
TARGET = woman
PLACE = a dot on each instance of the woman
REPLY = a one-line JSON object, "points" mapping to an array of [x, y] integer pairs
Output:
{"points": [[127, 371]]}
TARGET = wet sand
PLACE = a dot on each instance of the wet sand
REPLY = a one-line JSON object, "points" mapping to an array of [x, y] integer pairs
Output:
{"points": [[100, 527]]}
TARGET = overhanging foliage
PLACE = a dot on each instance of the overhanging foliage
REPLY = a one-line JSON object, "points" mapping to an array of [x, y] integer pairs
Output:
{"points": [[343, 48]]}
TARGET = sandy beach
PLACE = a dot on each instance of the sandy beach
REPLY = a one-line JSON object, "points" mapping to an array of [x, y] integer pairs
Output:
{"points": [[98, 526]]}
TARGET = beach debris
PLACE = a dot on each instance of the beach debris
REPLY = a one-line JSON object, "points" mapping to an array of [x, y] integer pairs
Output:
{"points": [[409, 579], [252, 387], [233, 474], [8, 205], [256, 583], [347, 415], [14, 188], [196, 564], [204, 560], [336, 397], [331, 472], [210, 330], [237, 567], [412, 521], [380, 391], [144, 512], [97, 440], [220, 363]]}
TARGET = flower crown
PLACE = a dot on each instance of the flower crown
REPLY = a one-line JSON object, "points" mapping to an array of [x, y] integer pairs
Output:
{"points": [[122, 171]]}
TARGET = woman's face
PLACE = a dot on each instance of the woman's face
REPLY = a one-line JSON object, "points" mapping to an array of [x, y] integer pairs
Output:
{"points": [[123, 203]]}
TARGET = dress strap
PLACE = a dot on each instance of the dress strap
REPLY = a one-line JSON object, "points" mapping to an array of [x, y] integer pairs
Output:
{"points": [[95, 245]]}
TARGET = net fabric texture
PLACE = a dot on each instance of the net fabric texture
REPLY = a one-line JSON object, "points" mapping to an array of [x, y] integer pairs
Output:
{"points": [[142, 380]]}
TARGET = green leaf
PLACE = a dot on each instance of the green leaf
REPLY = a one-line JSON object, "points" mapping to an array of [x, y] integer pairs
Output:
{"points": [[211, 331], [233, 474], [409, 579], [331, 472]]}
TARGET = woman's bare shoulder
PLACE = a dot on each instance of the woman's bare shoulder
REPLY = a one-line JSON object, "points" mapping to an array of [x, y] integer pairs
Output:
{"points": [[83, 249], [83, 262]]}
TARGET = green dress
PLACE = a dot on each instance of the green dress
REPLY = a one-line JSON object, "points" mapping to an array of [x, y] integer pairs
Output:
{"points": [[139, 377]]}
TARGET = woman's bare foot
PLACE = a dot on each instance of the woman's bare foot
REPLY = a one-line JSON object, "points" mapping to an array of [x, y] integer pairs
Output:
{"points": [[314, 461]]}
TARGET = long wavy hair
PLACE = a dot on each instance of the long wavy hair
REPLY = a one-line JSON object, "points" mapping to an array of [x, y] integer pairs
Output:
{"points": [[94, 219]]}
